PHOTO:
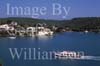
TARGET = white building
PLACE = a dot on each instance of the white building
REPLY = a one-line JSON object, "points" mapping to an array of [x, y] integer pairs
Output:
{"points": [[6, 27]]}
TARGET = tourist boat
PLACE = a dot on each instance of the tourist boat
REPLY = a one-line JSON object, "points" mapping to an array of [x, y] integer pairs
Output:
{"points": [[69, 55]]}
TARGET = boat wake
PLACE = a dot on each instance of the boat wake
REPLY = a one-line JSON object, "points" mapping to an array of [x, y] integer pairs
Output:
{"points": [[96, 58], [75, 55]]}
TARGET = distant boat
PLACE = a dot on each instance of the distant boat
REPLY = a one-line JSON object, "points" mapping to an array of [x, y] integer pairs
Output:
{"points": [[12, 37], [86, 31]]}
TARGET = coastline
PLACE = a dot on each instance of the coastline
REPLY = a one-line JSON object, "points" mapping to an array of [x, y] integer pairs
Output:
{"points": [[12, 27]]}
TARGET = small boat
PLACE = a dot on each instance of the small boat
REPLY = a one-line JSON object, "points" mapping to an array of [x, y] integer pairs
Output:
{"points": [[12, 37], [86, 31], [69, 55]]}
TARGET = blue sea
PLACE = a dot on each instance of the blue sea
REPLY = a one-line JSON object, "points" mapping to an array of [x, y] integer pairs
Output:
{"points": [[89, 43]]}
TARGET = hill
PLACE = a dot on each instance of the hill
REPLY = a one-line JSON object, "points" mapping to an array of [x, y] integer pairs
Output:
{"points": [[77, 24], [30, 21], [85, 23]]}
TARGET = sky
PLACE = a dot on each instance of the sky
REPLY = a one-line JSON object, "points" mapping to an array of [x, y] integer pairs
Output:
{"points": [[75, 8]]}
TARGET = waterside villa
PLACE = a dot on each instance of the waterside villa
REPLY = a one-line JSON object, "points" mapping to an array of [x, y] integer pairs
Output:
{"points": [[14, 29]]}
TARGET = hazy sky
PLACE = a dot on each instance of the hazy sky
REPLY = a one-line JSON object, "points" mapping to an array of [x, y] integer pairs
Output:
{"points": [[78, 8]]}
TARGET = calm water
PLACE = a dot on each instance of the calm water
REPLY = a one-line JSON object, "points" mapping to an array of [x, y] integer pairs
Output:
{"points": [[72, 41]]}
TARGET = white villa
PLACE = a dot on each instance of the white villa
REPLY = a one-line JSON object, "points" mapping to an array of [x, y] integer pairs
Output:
{"points": [[31, 31], [39, 31], [14, 29], [6, 27]]}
